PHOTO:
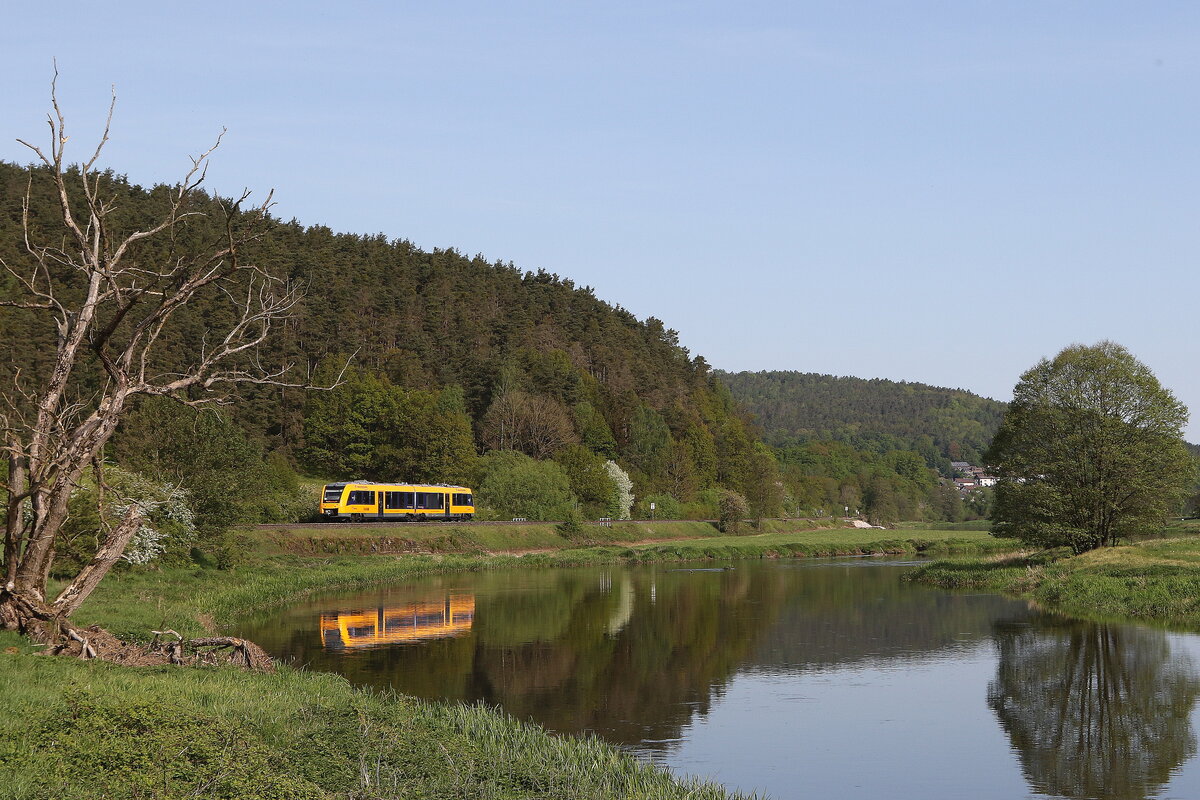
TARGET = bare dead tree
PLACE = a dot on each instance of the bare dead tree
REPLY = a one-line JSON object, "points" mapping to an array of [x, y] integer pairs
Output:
{"points": [[537, 425], [110, 299]]}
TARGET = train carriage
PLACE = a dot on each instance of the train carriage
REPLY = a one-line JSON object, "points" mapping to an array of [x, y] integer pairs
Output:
{"points": [[357, 501]]}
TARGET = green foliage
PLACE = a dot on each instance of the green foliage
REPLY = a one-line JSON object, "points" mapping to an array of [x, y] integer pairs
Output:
{"points": [[515, 485], [732, 509], [226, 475], [942, 425], [1091, 451], [763, 486], [369, 429], [447, 350], [594, 431], [168, 527], [650, 443], [665, 507], [826, 477], [571, 528], [589, 479]]}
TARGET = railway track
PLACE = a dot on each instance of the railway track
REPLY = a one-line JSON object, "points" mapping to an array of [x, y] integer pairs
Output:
{"points": [[443, 523]]}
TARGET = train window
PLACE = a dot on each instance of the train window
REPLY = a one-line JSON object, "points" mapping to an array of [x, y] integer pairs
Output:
{"points": [[462, 499], [430, 500], [361, 498], [408, 499], [393, 499]]}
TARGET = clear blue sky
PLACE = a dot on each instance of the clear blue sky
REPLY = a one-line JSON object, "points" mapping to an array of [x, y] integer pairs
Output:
{"points": [[938, 192]]}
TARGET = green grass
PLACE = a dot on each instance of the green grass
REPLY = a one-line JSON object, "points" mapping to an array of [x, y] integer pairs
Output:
{"points": [[1155, 581], [441, 537], [71, 729], [972, 525]]}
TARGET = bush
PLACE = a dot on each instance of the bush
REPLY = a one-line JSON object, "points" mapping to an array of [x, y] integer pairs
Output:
{"points": [[515, 485], [665, 507], [733, 509]]}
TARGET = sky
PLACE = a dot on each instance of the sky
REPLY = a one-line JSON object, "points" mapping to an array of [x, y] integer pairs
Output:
{"points": [[942, 192]]}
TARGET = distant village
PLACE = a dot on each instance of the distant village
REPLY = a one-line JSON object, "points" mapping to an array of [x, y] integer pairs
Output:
{"points": [[973, 477]]}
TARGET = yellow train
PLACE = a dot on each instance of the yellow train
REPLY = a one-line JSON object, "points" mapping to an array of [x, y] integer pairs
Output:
{"points": [[357, 501]]}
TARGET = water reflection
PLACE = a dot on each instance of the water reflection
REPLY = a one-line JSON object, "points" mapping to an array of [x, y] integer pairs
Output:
{"points": [[419, 621], [1094, 710], [633, 654]]}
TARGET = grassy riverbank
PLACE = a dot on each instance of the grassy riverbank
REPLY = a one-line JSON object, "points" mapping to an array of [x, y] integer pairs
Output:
{"points": [[71, 729], [1155, 582], [196, 601], [500, 537]]}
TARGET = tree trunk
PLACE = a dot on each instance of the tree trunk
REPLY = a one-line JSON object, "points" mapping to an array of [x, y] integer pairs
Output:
{"points": [[106, 555], [13, 528], [29, 616]]}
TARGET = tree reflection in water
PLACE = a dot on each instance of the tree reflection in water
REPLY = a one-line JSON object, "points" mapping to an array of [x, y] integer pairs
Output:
{"points": [[1094, 710]]}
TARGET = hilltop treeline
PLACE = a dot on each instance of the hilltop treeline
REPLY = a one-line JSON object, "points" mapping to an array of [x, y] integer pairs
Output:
{"points": [[876, 415]]}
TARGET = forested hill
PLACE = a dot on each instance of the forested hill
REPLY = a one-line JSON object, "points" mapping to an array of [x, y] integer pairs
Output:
{"points": [[451, 357], [872, 414], [547, 400]]}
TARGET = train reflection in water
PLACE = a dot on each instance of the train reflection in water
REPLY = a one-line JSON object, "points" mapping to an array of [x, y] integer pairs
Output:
{"points": [[411, 622]]}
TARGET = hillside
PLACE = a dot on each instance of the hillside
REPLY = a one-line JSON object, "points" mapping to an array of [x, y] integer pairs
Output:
{"points": [[450, 357], [942, 424], [456, 369]]}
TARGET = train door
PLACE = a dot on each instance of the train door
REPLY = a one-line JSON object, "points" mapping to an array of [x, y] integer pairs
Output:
{"points": [[448, 497], [379, 498]]}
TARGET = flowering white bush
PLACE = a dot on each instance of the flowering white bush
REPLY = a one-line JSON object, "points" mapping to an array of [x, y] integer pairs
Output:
{"points": [[166, 513], [623, 498]]}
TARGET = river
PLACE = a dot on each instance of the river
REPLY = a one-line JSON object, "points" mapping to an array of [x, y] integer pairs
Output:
{"points": [[796, 678]]}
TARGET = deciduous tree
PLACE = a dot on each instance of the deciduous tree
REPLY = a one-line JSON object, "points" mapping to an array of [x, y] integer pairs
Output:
{"points": [[1090, 451]]}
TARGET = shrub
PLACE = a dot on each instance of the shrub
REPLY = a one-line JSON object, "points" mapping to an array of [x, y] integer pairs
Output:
{"points": [[733, 509], [515, 485]]}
